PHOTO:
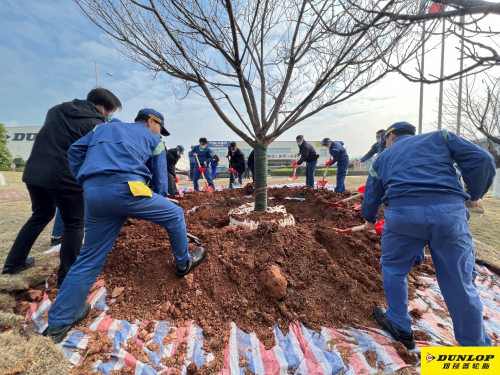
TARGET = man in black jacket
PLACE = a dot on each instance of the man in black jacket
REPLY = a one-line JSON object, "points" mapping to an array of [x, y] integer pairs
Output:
{"points": [[173, 156], [307, 154], [50, 182], [236, 162]]}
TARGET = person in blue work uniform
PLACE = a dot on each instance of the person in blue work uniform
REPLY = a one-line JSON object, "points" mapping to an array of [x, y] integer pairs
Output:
{"points": [[377, 148], [205, 155], [309, 155], [339, 156], [427, 205], [192, 164], [116, 163]]}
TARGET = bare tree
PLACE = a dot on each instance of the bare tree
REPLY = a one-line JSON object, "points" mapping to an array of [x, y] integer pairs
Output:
{"points": [[263, 65], [480, 116], [480, 45]]}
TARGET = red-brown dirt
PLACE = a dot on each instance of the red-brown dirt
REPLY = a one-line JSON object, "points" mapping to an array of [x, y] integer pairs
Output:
{"points": [[331, 280]]}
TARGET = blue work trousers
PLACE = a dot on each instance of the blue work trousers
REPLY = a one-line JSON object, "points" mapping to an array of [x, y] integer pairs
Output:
{"points": [[341, 173], [58, 229], [407, 230], [214, 171], [310, 169], [231, 179], [192, 166], [197, 176], [106, 209]]}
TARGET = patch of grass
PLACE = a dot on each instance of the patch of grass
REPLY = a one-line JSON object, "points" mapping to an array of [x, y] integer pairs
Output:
{"points": [[486, 228], [11, 178], [34, 355], [7, 302], [13, 187], [10, 320], [14, 215]]}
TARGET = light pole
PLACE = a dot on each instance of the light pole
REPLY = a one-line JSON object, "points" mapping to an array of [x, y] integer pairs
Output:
{"points": [[96, 69]]}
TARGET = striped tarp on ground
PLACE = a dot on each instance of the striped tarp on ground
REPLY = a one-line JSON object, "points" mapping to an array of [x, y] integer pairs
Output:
{"points": [[306, 351]]}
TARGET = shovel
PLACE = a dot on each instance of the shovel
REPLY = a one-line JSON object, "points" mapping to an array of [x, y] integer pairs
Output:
{"points": [[202, 170], [340, 203], [195, 239], [378, 228], [291, 178], [322, 183], [235, 183]]}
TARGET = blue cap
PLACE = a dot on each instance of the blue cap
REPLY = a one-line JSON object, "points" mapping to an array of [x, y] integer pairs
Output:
{"points": [[157, 116], [181, 149], [403, 125], [325, 141]]}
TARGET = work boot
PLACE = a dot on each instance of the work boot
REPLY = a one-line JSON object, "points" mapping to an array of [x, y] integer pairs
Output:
{"points": [[28, 263], [55, 240], [196, 258], [57, 334], [408, 339]]}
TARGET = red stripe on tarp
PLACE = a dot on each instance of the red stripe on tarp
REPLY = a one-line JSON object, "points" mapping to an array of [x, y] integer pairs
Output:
{"points": [[97, 285], [227, 362], [355, 360], [104, 324], [313, 367], [443, 332], [269, 360], [335, 334], [34, 306], [130, 360], [182, 334]]}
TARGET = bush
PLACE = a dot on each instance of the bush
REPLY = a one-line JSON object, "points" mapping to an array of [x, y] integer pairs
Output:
{"points": [[287, 172]]}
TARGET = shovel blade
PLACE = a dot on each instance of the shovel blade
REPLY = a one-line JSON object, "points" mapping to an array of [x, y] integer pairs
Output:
{"points": [[332, 204], [291, 178]]}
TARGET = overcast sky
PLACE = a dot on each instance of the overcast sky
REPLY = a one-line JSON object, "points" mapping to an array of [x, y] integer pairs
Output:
{"points": [[48, 49]]}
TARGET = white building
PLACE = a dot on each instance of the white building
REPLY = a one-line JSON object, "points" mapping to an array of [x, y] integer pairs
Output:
{"points": [[279, 153], [20, 140]]}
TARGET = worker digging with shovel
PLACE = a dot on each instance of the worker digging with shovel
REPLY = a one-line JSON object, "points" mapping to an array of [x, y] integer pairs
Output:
{"points": [[307, 154], [203, 155], [116, 163], [427, 205], [236, 165]]}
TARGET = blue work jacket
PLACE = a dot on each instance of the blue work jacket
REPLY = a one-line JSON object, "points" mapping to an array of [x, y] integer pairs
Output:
{"points": [[119, 152], [419, 170]]}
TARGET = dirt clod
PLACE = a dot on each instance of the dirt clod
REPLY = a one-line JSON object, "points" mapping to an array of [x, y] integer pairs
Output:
{"points": [[274, 282], [407, 356]]}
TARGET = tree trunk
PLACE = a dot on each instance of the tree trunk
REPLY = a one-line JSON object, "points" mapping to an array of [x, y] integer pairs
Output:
{"points": [[260, 178]]}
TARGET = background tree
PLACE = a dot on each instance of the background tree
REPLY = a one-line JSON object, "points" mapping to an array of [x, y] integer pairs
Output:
{"points": [[5, 155], [19, 161], [263, 65], [480, 116]]}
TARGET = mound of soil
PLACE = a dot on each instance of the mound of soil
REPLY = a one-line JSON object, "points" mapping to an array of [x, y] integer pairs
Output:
{"points": [[330, 280]]}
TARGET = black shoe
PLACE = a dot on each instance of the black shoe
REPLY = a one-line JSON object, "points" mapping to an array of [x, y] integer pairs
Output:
{"points": [[57, 334], [55, 240], [196, 258], [28, 263], [381, 317]]}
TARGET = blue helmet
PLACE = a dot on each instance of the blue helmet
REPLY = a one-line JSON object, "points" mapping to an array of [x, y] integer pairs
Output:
{"points": [[325, 141], [157, 116], [400, 126], [181, 149]]}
